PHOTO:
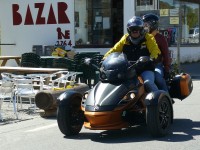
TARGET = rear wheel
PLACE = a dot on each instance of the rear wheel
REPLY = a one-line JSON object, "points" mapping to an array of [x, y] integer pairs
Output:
{"points": [[70, 117], [159, 117]]}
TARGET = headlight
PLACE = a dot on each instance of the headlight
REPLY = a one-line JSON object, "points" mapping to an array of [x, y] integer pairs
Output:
{"points": [[132, 95], [85, 95], [128, 97]]}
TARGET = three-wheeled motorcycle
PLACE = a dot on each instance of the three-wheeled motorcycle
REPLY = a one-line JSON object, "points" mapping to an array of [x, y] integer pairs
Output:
{"points": [[119, 100]]}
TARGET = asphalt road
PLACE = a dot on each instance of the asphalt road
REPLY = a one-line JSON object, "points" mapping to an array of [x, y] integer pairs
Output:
{"points": [[43, 134]]}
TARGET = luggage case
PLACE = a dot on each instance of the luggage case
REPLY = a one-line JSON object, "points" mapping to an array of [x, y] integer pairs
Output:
{"points": [[181, 86]]}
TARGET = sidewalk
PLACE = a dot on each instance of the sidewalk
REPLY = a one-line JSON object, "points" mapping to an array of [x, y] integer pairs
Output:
{"points": [[23, 115]]}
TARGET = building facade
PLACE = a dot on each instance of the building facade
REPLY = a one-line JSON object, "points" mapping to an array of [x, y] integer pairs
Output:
{"points": [[88, 25]]}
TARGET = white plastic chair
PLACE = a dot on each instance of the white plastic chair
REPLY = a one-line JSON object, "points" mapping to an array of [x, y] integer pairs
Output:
{"points": [[7, 94], [68, 79], [54, 80], [6, 76], [24, 91], [9, 76]]}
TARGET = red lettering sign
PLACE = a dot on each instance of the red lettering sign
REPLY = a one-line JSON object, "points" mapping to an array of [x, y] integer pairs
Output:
{"points": [[63, 38], [40, 19], [28, 18], [62, 16], [17, 18], [62, 35], [51, 17]]}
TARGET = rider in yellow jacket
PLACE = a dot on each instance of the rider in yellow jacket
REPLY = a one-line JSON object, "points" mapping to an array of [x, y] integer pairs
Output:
{"points": [[150, 43], [137, 43]]}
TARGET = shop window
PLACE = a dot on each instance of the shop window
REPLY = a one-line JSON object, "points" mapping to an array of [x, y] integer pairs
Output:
{"points": [[174, 14], [142, 5], [94, 22], [144, 2], [190, 23]]}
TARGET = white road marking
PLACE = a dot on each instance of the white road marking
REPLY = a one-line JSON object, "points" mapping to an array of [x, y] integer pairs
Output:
{"points": [[42, 128]]}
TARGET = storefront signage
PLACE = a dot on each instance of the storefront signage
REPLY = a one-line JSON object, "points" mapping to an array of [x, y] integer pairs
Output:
{"points": [[174, 20], [50, 18], [53, 18], [63, 35], [164, 12], [174, 12]]}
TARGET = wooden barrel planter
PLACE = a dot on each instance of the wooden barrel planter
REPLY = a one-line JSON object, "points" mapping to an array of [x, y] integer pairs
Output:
{"points": [[47, 99]]}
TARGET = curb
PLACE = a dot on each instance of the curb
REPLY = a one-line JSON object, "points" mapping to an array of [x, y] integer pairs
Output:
{"points": [[195, 76]]}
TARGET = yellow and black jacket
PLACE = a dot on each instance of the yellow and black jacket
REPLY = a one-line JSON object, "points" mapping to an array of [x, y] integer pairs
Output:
{"points": [[147, 47]]}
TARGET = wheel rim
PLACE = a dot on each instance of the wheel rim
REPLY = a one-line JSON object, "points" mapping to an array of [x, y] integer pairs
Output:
{"points": [[164, 114]]}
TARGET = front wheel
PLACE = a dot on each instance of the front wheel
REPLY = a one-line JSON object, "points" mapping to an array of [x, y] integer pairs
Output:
{"points": [[159, 117], [70, 117]]}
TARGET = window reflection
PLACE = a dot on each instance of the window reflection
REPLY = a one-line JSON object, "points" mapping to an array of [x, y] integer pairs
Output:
{"points": [[190, 23], [168, 10], [94, 26]]}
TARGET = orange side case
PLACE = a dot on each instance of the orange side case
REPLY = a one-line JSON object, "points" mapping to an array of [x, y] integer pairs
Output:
{"points": [[181, 86]]}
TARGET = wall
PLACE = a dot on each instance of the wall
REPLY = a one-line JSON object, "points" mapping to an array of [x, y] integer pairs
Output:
{"points": [[129, 11], [81, 30], [187, 54], [26, 23]]}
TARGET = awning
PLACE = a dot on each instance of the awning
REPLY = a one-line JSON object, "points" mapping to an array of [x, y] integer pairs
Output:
{"points": [[191, 1]]}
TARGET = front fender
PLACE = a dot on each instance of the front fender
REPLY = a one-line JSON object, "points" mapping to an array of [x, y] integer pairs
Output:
{"points": [[64, 98], [154, 97]]}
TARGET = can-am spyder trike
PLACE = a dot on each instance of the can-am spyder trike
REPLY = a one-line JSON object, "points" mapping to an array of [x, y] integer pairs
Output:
{"points": [[119, 100]]}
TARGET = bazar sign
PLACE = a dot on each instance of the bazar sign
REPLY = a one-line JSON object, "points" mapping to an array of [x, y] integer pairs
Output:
{"points": [[42, 17]]}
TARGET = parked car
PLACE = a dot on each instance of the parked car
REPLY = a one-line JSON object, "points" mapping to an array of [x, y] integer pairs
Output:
{"points": [[194, 33]]}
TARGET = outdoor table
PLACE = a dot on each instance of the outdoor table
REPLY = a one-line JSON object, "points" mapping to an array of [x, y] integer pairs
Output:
{"points": [[6, 58], [29, 70], [46, 57]]}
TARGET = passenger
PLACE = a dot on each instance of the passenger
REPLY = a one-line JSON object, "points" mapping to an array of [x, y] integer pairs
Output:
{"points": [[162, 68], [137, 43]]}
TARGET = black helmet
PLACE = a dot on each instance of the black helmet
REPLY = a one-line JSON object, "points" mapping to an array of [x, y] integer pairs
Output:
{"points": [[135, 23], [152, 20]]}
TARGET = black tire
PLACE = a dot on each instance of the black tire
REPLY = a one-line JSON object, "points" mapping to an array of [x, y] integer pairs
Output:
{"points": [[70, 117], [159, 117]]}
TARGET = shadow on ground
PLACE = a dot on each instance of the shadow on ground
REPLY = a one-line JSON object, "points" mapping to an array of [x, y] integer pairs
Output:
{"points": [[181, 130]]}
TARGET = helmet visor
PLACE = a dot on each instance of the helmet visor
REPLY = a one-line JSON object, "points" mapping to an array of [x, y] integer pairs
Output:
{"points": [[134, 29]]}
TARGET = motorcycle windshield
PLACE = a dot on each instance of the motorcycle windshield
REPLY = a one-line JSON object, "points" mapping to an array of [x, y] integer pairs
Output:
{"points": [[107, 94]]}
